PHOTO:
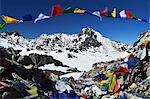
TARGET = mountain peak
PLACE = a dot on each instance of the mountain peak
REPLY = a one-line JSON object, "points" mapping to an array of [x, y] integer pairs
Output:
{"points": [[90, 31]]}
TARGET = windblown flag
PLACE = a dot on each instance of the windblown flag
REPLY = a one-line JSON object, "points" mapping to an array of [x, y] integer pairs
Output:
{"points": [[8, 19], [68, 10], [97, 13], [41, 17], [27, 17], [116, 88], [106, 12], [103, 13], [128, 14], [123, 14], [56, 10], [77, 10], [114, 14], [144, 20], [2, 25], [135, 18]]}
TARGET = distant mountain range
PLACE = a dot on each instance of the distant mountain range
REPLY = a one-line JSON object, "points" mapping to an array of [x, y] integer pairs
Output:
{"points": [[67, 53], [87, 39]]}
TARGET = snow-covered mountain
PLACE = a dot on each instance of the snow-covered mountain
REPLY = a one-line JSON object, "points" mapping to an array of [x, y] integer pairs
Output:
{"points": [[87, 40], [76, 52]]}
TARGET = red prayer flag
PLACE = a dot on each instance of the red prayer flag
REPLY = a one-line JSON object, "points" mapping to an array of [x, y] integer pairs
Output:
{"points": [[129, 14], [116, 88], [104, 12], [131, 56], [56, 10]]}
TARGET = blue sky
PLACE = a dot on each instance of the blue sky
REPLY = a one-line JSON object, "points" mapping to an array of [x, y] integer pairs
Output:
{"points": [[124, 30]]}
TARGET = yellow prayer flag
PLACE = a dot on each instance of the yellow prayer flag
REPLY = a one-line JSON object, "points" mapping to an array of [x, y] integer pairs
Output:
{"points": [[77, 10], [114, 14], [32, 90], [8, 19], [112, 83]]}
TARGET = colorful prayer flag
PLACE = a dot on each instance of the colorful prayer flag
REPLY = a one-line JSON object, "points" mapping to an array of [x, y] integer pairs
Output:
{"points": [[108, 14], [68, 10], [27, 17], [112, 83], [103, 13], [56, 10], [128, 14], [41, 17], [8, 19], [123, 14], [2, 25], [135, 18], [77, 10], [97, 13], [114, 14], [144, 20]]}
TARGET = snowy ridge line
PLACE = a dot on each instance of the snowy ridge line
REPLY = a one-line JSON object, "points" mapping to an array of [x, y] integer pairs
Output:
{"points": [[87, 40]]}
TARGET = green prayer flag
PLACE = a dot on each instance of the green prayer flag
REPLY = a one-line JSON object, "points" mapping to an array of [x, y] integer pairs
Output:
{"points": [[135, 18], [108, 14], [2, 25], [68, 10]]}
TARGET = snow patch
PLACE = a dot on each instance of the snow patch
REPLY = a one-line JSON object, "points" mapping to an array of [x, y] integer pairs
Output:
{"points": [[75, 75]]}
